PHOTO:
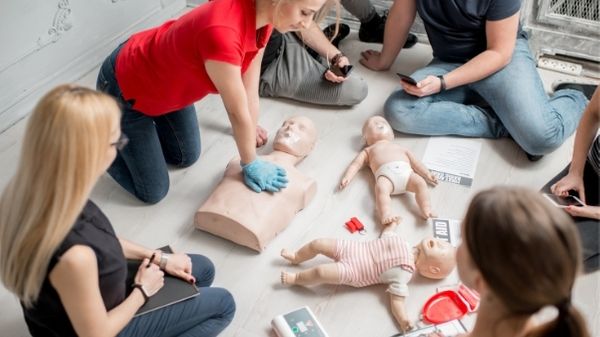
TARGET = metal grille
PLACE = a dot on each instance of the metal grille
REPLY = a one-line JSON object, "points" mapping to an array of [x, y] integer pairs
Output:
{"points": [[581, 9]]}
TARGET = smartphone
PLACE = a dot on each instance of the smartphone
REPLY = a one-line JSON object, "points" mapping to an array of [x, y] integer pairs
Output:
{"points": [[563, 202], [407, 79], [341, 71]]}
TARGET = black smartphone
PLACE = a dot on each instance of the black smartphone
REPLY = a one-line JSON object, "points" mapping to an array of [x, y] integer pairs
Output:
{"points": [[341, 71], [407, 79], [569, 200]]}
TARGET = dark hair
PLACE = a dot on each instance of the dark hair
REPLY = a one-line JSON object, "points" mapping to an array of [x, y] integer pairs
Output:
{"points": [[529, 254]]}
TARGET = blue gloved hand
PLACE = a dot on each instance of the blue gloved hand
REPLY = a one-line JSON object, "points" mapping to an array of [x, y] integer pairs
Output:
{"points": [[260, 175]]}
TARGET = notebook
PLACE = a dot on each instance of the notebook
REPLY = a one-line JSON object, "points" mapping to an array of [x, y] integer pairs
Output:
{"points": [[174, 290]]}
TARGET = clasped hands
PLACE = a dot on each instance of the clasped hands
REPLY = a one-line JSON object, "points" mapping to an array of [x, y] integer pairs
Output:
{"points": [[261, 175], [151, 277]]}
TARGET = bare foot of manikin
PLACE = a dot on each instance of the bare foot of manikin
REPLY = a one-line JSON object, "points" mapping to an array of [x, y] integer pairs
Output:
{"points": [[288, 278], [290, 256]]}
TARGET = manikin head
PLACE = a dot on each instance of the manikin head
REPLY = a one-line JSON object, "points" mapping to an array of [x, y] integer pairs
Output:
{"points": [[376, 129], [435, 258], [296, 136]]}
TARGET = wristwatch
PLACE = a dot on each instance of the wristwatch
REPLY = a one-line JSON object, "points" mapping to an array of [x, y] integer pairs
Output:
{"points": [[142, 290], [164, 257], [442, 83]]}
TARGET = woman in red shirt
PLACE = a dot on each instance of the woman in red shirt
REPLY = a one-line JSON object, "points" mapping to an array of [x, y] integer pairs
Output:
{"points": [[159, 73]]}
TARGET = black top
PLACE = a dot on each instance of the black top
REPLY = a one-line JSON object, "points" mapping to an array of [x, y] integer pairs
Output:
{"points": [[271, 50], [594, 155], [456, 28], [48, 316]]}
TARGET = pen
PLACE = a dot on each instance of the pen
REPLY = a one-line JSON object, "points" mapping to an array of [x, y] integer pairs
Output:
{"points": [[151, 259]]}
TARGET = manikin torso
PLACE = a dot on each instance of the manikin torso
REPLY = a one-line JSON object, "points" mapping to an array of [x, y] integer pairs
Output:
{"points": [[251, 219], [383, 152]]}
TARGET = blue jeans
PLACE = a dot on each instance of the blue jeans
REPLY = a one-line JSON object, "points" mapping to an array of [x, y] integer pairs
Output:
{"points": [[154, 142], [205, 315], [511, 102]]}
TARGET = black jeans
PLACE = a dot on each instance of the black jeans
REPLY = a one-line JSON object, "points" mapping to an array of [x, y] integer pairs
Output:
{"points": [[154, 142]]}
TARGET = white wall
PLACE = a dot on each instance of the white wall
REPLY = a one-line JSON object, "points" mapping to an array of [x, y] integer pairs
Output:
{"points": [[47, 42]]}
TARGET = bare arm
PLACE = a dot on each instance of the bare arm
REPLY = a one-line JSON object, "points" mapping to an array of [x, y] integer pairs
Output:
{"points": [[586, 132], [399, 312], [228, 81], [421, 169], [134, 251], [501, 38], [316, 40], [353, 168], [75, 278], [177, 264], [251, 80], [400, 19]]}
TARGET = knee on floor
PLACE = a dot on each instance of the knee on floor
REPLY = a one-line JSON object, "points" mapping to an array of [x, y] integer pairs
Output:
{"points": [[187, 159], [539, 143], [154, 194], [399, 110]]}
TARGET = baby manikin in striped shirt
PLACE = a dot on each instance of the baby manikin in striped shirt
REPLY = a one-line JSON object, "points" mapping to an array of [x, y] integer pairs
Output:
{"points": [[388, 260]]}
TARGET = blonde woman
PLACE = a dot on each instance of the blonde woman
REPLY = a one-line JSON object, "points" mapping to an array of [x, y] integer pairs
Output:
{"points": [[521, 254], [159, 73], [58, 252]]}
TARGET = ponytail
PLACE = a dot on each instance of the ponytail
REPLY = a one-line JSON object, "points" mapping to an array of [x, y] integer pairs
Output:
{"points": [[568, 323]]}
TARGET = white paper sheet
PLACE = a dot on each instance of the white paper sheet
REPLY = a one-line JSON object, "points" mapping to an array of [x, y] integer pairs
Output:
{"points": [[452, 160]]}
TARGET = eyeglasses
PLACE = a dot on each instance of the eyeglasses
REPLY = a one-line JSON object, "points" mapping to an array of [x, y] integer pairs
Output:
{"points": [[121, 142]]}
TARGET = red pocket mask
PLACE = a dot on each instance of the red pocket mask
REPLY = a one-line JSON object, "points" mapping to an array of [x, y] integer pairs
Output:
{"points": [[450, 304]]}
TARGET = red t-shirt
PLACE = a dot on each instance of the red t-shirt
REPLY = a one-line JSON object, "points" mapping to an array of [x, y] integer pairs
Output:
{"points": [[162, 68]]}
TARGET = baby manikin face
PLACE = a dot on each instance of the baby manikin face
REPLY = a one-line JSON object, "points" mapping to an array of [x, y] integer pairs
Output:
{"points": [[435, 258], [377, 128], [296, 136]]}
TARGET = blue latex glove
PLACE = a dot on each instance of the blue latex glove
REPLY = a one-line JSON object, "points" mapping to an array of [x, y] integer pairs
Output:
{"points": [[260, 175]]}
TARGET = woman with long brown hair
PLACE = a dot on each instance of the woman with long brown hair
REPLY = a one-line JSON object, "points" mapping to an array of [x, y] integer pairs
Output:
{"points": [[59, 253], [521, 254]]}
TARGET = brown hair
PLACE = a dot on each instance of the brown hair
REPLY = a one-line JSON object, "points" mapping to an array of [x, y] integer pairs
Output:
{"points": [[529, 254]]}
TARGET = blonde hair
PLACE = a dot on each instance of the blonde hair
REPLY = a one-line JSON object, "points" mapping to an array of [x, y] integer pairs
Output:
{"points": [[64, 151], [528, 252], [328, 6]]}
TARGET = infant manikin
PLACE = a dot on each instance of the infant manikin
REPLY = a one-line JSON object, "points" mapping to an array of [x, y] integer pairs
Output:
{"points": [[389, 260], [395, 168]]}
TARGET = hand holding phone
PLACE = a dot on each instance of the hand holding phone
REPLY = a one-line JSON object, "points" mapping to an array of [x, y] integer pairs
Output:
{"points": [[407, 79], [341, 71], [562, 202]]}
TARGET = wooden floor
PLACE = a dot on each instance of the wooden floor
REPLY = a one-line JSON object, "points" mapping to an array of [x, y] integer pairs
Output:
{"points": [[254, 278]]}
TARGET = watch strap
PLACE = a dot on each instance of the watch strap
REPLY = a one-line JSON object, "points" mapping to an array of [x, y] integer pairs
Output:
{"points": [[164, 258], [442, 83], [142, 290]]}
